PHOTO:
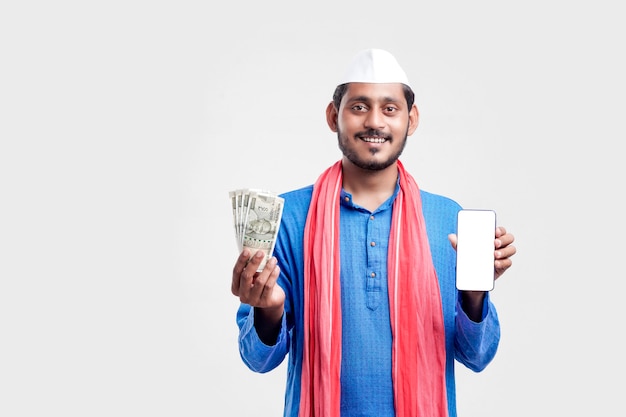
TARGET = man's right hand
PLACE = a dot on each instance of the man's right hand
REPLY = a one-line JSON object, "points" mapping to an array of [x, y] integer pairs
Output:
{"points": [[259, 290]]}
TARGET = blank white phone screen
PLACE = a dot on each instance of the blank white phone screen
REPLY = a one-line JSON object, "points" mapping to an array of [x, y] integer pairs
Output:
{"points": [[475, 250]]}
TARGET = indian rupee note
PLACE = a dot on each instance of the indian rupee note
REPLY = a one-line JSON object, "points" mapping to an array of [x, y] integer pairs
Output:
{"points": [[233, 201], [245, 210], [262, 221], [240, 193]]}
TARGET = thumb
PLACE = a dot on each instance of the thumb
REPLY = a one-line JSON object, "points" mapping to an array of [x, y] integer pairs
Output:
{"points": [[453, 239]]}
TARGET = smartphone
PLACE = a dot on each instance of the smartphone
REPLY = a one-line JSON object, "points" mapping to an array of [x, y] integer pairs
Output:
{"points": [[475, 250]]}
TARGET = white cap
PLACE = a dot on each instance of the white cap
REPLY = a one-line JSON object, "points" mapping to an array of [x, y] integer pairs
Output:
{"points": [[374, 66]]}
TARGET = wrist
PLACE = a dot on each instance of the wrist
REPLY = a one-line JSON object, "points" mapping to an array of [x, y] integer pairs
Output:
{"points": [[472, 303], [267, 318]]}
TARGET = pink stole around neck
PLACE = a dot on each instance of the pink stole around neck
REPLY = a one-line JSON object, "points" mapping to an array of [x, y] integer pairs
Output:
{"points": [[418, 357]]}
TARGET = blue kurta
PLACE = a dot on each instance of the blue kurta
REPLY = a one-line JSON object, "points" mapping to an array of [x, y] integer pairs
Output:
{"points": [[366, 384]]}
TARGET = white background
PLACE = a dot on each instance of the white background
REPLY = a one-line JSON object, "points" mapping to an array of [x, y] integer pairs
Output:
{"points": [[124, 124]]}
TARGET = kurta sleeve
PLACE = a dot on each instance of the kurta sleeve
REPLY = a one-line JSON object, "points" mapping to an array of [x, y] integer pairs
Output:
{"points": [[258, 356], [476, 343]]}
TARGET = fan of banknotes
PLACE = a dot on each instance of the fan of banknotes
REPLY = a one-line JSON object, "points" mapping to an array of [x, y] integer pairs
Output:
{"points": [[256, 217]]}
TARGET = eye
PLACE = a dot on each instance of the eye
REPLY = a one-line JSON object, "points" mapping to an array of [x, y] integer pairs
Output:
{"points": [[359, 108], [391, 109]]}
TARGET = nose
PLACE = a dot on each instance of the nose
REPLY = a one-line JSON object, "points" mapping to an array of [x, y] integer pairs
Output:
{"points": [[375, 119]]}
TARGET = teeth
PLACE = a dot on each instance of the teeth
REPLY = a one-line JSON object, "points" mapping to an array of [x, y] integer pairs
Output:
{"points": [[374, 140]]}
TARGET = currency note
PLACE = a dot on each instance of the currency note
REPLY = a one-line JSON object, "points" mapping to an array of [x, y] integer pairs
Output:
{"points": [[257, 215], [234, 203]]}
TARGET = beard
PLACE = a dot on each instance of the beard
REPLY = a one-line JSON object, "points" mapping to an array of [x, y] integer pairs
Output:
{"points": [[369, 164]]}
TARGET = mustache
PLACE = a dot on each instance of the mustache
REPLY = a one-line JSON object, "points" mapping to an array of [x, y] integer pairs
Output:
{"points": [[373, 132]]}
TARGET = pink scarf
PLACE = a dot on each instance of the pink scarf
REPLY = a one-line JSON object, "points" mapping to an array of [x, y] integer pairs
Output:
{"points": [[418, 357]]}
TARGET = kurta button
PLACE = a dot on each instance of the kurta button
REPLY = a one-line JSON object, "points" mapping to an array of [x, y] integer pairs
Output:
{"points": [[372, 217], [372, 244], [373, 274], [346, 199]]}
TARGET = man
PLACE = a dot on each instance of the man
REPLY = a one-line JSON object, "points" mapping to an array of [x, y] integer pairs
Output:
{"points": [[361, 291]]}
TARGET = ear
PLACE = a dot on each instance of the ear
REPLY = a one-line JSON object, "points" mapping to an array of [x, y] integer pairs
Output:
{"points": [[331, 116], [414, 118]]}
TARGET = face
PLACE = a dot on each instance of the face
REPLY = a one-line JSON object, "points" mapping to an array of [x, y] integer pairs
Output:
{"points": [[372, 124]]}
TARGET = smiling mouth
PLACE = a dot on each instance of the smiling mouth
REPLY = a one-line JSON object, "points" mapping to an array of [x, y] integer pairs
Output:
{"points": [[370, 139]]}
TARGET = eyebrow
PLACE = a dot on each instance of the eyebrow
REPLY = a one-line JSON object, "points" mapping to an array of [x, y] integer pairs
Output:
{"points": [[368, 99]]}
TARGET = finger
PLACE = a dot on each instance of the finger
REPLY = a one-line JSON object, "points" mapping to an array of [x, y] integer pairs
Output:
{"points": [[248, 275], [504, 240], [501, 265], [453, 240], [258, 294], [266, 281], [505, 252], [245, 279], [255, 261], [240, 264], [272, 278]]}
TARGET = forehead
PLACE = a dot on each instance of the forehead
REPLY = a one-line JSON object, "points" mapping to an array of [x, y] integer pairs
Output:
{"points": [[375, 92]]}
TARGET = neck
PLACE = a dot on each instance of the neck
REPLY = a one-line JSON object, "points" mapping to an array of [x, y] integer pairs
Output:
{"points": [[369, 189]]}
